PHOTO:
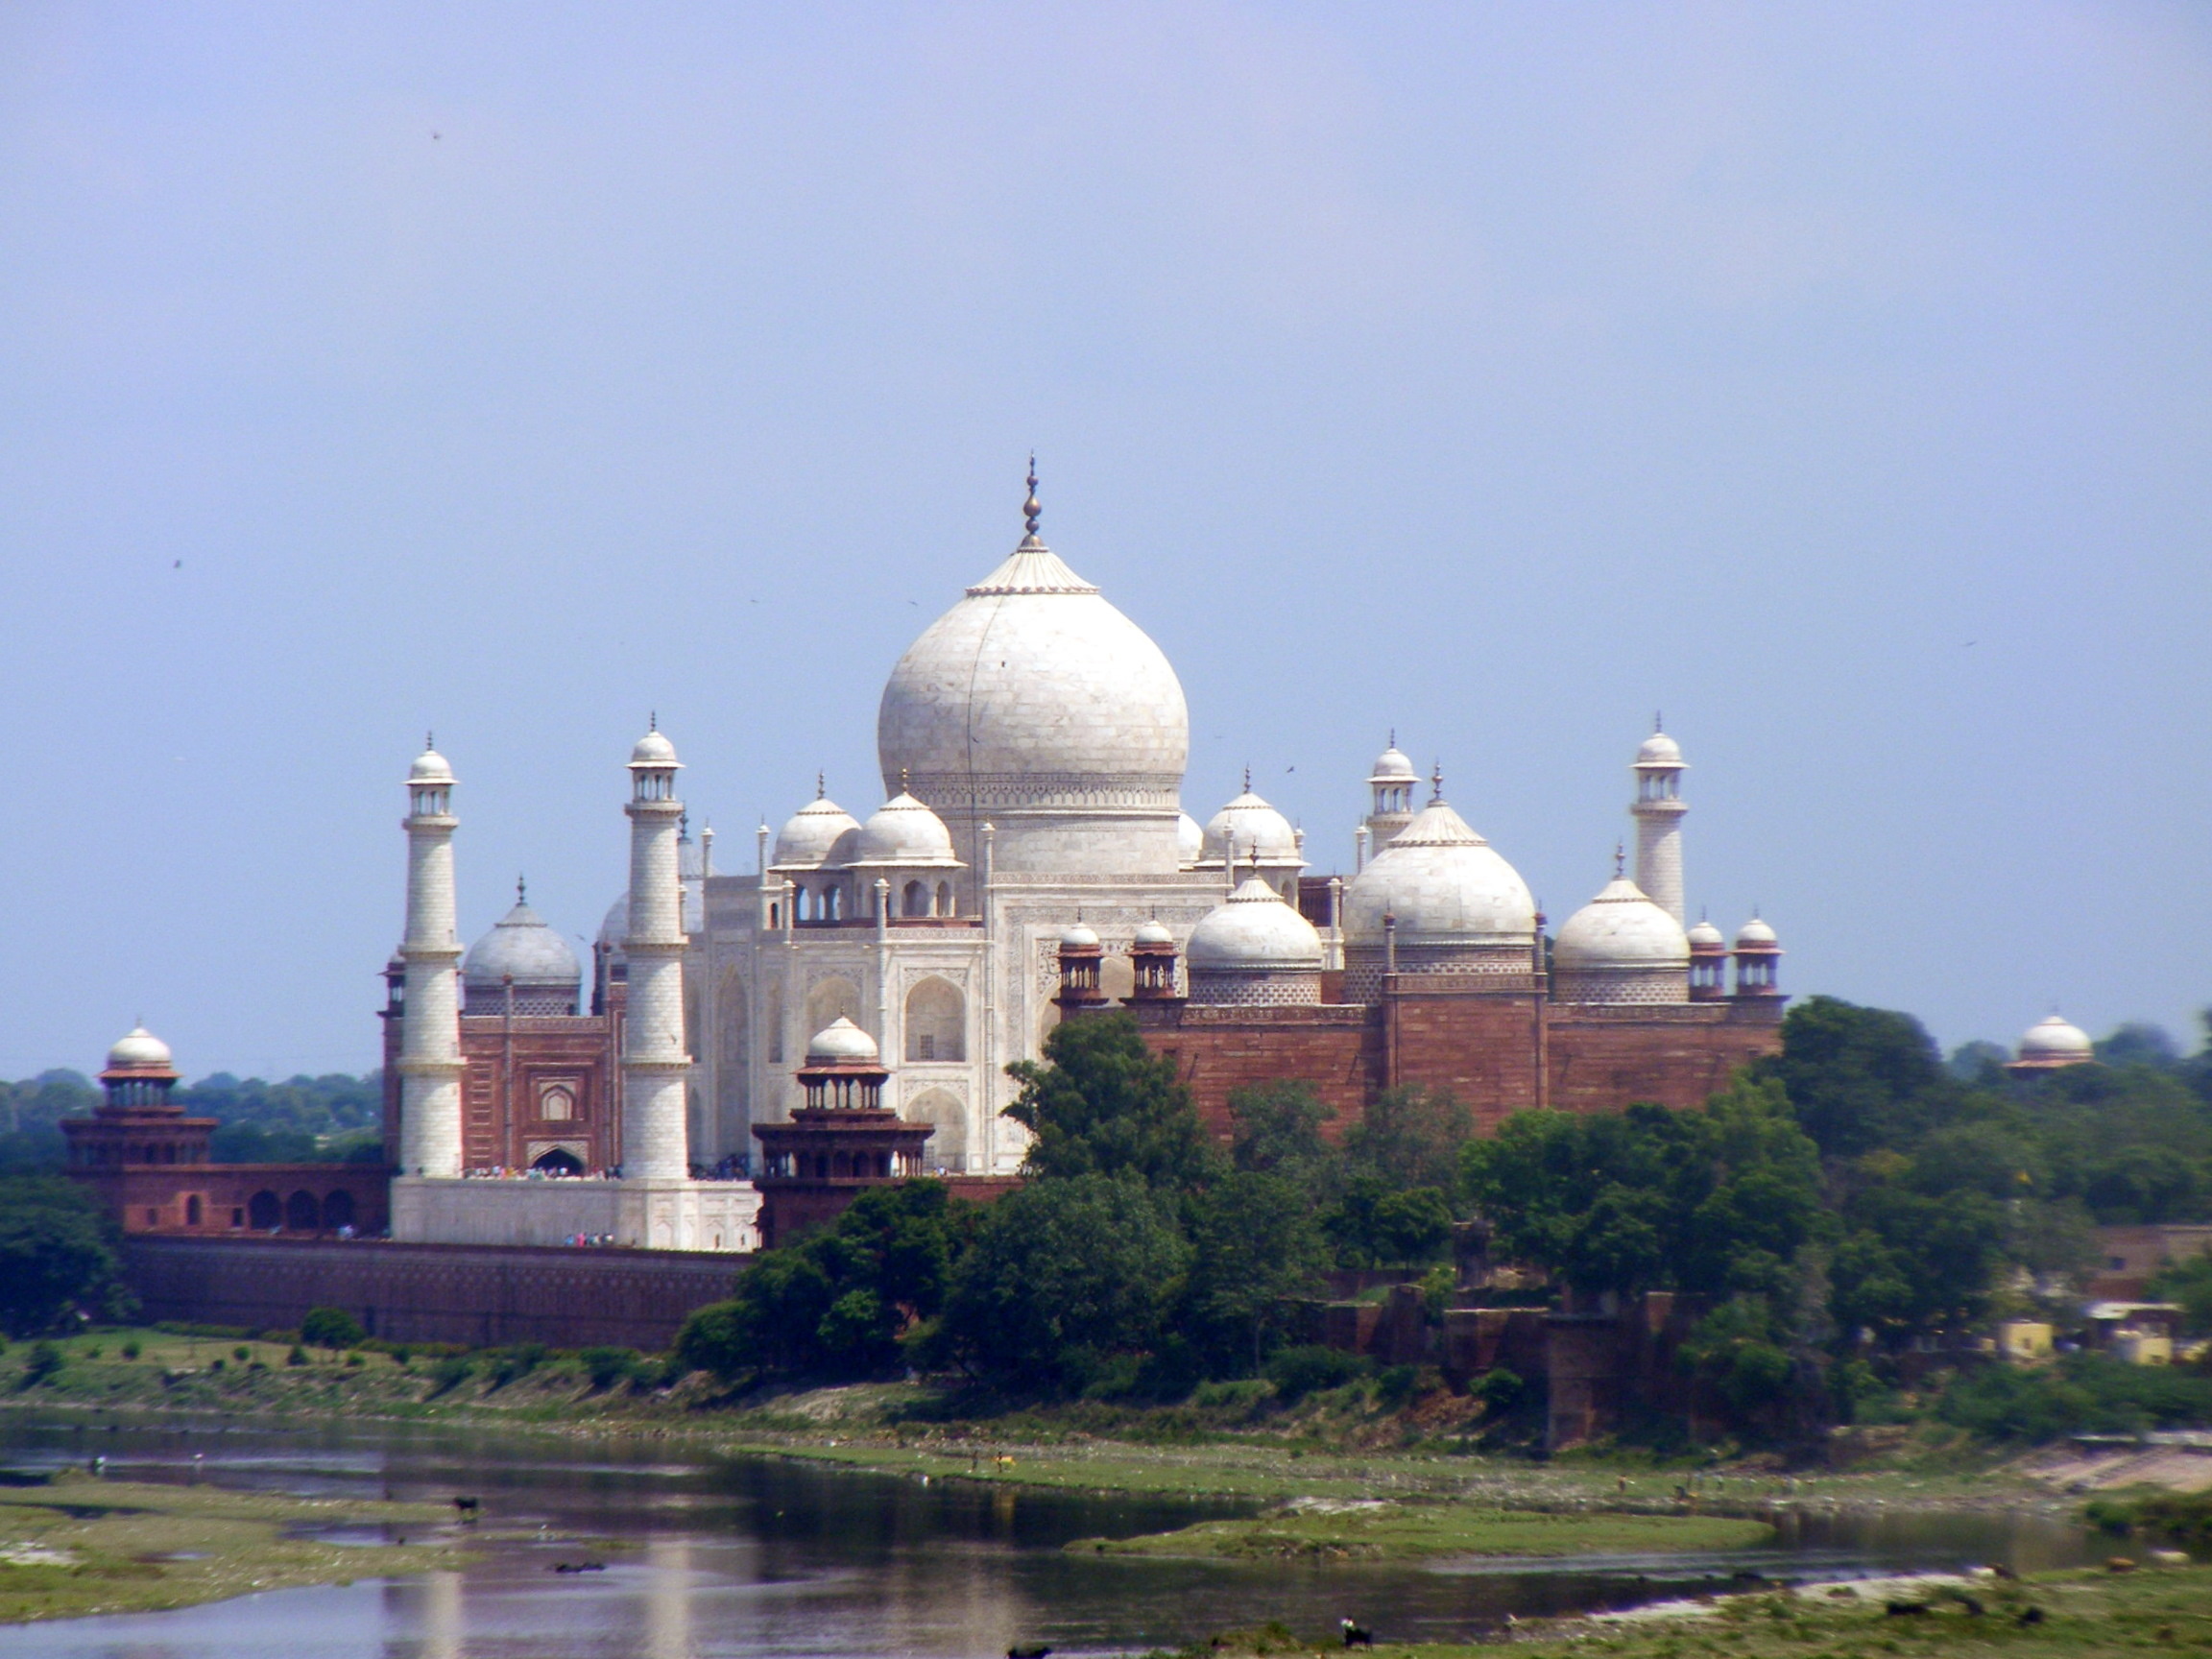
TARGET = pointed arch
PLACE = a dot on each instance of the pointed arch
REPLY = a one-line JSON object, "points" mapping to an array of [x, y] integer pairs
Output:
{"points": [[936, 1021]]}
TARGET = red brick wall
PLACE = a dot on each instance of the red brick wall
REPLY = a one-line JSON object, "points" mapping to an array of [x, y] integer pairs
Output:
{"points": [[499, 1092], [1674, 1056], [566, 1298], [1483, 1048], [158, 1199], [1219, 1049]]}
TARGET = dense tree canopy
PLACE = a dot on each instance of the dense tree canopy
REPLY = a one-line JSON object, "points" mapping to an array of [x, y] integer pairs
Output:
{"points": [[58, 1255], [1103, 1103]]}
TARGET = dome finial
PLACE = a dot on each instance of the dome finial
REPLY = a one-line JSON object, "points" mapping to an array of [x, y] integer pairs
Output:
{"points": [[653, 720], [1436, 783], [1658, 720], [1619, 861], [429, 741], [521, 891], [1247, 779], [906, 776], [821, 786], [1031, 512]]}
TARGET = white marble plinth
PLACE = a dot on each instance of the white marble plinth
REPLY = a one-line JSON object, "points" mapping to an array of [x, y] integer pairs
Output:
{"points": [[665, 1214]]}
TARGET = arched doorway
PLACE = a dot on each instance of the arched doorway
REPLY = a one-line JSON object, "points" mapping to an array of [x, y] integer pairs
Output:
{"points": [[559, 1161], [301, 1213], [936, 1021], [947, 1115], [264, 1211], [338, 1210]]}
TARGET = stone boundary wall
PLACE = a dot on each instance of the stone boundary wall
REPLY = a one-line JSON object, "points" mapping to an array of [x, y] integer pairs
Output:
{"points": [[477, 1295]]}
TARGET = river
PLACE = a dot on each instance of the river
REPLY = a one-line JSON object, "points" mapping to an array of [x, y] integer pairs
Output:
{"points": [[763, 1559]]}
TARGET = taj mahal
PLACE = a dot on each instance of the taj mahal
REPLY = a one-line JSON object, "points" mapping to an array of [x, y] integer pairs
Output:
{"points": [[1033, 858]]}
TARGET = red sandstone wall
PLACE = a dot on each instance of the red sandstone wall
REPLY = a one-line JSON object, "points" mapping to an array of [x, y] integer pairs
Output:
{"points": [[158, 1198], [1598, 1066], [431, 1292], [1483, 1048], [1341, 1061], [500, 1113]]}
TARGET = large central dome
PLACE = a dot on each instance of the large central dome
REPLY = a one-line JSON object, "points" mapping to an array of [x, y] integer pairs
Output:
{"points": [[1036, 704]]}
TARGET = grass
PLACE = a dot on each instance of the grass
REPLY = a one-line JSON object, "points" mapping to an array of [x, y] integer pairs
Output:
{"points": [[1382, 1531], [80, 1546], [2081, 1614]]}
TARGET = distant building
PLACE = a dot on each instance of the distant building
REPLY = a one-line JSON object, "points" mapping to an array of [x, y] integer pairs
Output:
{"points": [[147, 1162]]}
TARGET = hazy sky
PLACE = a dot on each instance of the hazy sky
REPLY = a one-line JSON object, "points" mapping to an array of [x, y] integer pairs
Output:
{"points": [[1834, 377]]}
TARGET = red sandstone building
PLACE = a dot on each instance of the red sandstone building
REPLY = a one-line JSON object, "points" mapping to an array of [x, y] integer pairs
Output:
{"points": [[147, 1162]]}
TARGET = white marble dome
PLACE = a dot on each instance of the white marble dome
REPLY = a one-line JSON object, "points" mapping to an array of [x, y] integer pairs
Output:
{"points": [[1445, 885], [1033, 691], [430, 768], [138, 1049], [1154, 933], [1755, 934], [524, 945], [654, 750], [1252, 829], [1659, 750], [810, 835], [2055, 1040], [1189, 840], [1392, 765], [1621, 928], [1705, 936], [841, 1040], [1253, 932], [902, 830], [1078, 937]]}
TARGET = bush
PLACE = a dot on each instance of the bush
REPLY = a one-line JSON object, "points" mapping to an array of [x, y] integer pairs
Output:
{"points": [[43, 1362], [355, 1359], [2083, 1394], [608, 1366], [519, 1361], [216, 1363], [241, 1352], [298, 1355], [1297, 1372], [1397, 1386], [131, 1350], [331, 1328], [447, 1374], [1500, 1391]]}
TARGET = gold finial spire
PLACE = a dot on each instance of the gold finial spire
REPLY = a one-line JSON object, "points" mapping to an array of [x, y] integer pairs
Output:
{"points": [[1031, 512]]}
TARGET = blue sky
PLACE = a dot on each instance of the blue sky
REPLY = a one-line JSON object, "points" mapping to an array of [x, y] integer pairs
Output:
{"points": [[1832, 378]]}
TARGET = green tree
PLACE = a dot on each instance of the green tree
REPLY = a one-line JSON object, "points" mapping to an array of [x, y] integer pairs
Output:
{"points": [[1860, 1079], [1254, 1242], [836, 1303], [1063, 1276], [1409, 1136], [1103, 1103], [1278, 1131], [57, 1253], [1373, 1226], [331, 1328]]}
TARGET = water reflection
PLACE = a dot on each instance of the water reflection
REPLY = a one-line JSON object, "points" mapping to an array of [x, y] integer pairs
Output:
{"points": [[762, 1560]]}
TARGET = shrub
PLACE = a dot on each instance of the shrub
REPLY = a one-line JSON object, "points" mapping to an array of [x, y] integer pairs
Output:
{"points": [[354, 1358], [1297, 1372], [331, 1328], [92, 1352], [447, 1374], [298, 1355], [516, 1361], [241, 1352], [1500, 1390], [44, 1360], [131, 1350], [216, 1363], [608, 1366]]}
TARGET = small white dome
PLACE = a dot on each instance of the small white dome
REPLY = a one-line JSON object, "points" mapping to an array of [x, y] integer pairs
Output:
{"points": [[430, 768], [1248, 827], [1754, 933], [1154, 933], [522, 945], [810, 835], [1704, 935], [139, 1048], [1078, 937], [1445, 885], [1189, 840], [1621, 928], [2054, 1040], [654, 750], [1393, 765], [841, 1040], [1253, 932], [904, 831], [1659, 750]]}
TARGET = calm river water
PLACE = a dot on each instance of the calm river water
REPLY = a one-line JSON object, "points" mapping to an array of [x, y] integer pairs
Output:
{"points": [[762, 1560]]}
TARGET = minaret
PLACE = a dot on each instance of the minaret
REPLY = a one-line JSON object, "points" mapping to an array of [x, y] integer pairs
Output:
{"points": [[1658, 813], [1390, 803], [655, 1067], [430, 1063]]}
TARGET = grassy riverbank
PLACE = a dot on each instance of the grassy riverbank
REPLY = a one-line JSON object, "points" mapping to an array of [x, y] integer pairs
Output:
{"points": [[1383, 1531], [2073, 1614], [79, 1545]]}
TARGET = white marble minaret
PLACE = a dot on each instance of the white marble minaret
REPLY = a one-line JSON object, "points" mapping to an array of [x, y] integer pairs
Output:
{"points": [[655, 1065], [1658, 812], [430, 1063]]}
